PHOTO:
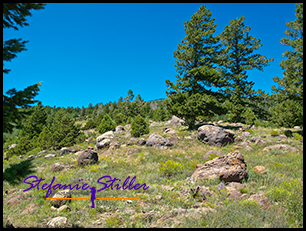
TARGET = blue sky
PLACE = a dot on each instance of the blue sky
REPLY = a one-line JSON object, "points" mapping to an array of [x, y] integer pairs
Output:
{"points": [[95, 52]]}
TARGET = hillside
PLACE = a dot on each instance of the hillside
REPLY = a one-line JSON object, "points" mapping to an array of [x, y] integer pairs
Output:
{"points": [[270, 196]]}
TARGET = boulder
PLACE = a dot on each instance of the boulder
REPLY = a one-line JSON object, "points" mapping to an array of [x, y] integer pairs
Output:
{"points": [[170, 141], [50, 155], [228, 168], [87, 157], [57, 222], [31, 208], [60, 194], [132, 141], [141, 141], [119, 129], [60, 166], [260, 169], [64, 150], [215, 136], [12, 146], [280, 146], [155, 140], [106, 135], [175, 120], [168, 130]]}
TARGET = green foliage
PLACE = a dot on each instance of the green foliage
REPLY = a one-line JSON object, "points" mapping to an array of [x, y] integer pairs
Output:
{"points": [[120, 118], [107, 124], [211, 157], [89, 125], [139, 127], [289, 111], [13, 16], [170, 168], [238, 57], [297, 136], [197, 55], [274, 133]]}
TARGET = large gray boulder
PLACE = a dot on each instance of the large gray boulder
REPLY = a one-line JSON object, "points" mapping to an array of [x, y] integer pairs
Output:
{"points": [[155, 140], [175, 120], [228, 168], [215, 136]]}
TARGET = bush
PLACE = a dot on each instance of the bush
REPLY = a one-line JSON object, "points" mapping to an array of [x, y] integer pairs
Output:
{"points": [[139, 126], [90, 124], [170, 168], [107, 124], [274, 133], [297, 136]]}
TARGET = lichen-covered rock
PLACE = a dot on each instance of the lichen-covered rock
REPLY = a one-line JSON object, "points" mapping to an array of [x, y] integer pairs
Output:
{"points": [[60, 194], [215, 136], [57, 222], [280, 146], [60, 166], [155, 140], [228, 168]]}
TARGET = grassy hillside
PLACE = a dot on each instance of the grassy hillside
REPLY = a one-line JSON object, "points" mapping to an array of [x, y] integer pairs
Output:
{"points": [[168, 201]]}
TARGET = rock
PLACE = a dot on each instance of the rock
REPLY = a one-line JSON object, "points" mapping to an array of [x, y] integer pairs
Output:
{"points": [[14, 200], [215, 136], [87, 157], [12, 146], [228, 168], [119, 129], [131, 151], [114, 145], [12, 191], [57, 222], [175, 120], [234, 193], [260, 142], [103, 144], [220, 186], [296, 127], [282, 136], [60, 194], [260, 198], [132, 141], [50, 155], [280, 146], [56, 148], [60, 166], [30, 157], [141, 141], [239, 138], [155, 140], [129, 201], [29, 209], [104, 140], [170, 141], [260, 169], [106, 135], [127, 127], [207, 154], [168, 130], [179, 211], [254, 138], [246, 134], [235, 185], [64, 150]]}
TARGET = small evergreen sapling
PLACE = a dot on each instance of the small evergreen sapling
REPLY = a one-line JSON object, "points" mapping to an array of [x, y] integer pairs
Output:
{"points": [[139, 126], [107, 124]]}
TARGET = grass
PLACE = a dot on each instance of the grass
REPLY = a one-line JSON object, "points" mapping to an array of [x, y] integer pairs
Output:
{"points": [[283, 185]]}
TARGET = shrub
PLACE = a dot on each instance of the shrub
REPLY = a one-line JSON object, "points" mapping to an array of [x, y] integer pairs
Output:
{"points": [[139, 126], [274, 133], [170, 168], [107, 124], [90, 124], [297, 136]]}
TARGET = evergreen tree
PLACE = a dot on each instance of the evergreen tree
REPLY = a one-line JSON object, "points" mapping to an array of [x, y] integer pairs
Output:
{"points": [[290, 88], [238, 57], [196, 64], [32, 128], [107, 124], [63, 131], [13, 17], [139, 126]]}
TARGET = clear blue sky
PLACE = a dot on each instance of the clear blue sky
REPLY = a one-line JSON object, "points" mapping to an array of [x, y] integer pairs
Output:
{"points": [[95, 52]]}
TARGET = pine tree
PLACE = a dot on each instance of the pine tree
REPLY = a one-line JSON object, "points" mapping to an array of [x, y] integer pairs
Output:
{"points": [[107, 124], [237, 57], [13, 17], [31, 130], [63, 131], [139, 126], [196, 64], [289, 111]]}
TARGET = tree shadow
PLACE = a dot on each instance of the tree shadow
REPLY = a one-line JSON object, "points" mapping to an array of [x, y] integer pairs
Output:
{"points": [[16, 173]]}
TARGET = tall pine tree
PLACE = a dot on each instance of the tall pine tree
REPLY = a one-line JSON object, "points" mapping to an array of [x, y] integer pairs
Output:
{"points": [[196, 66], [289, 110], [237, 57]]}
